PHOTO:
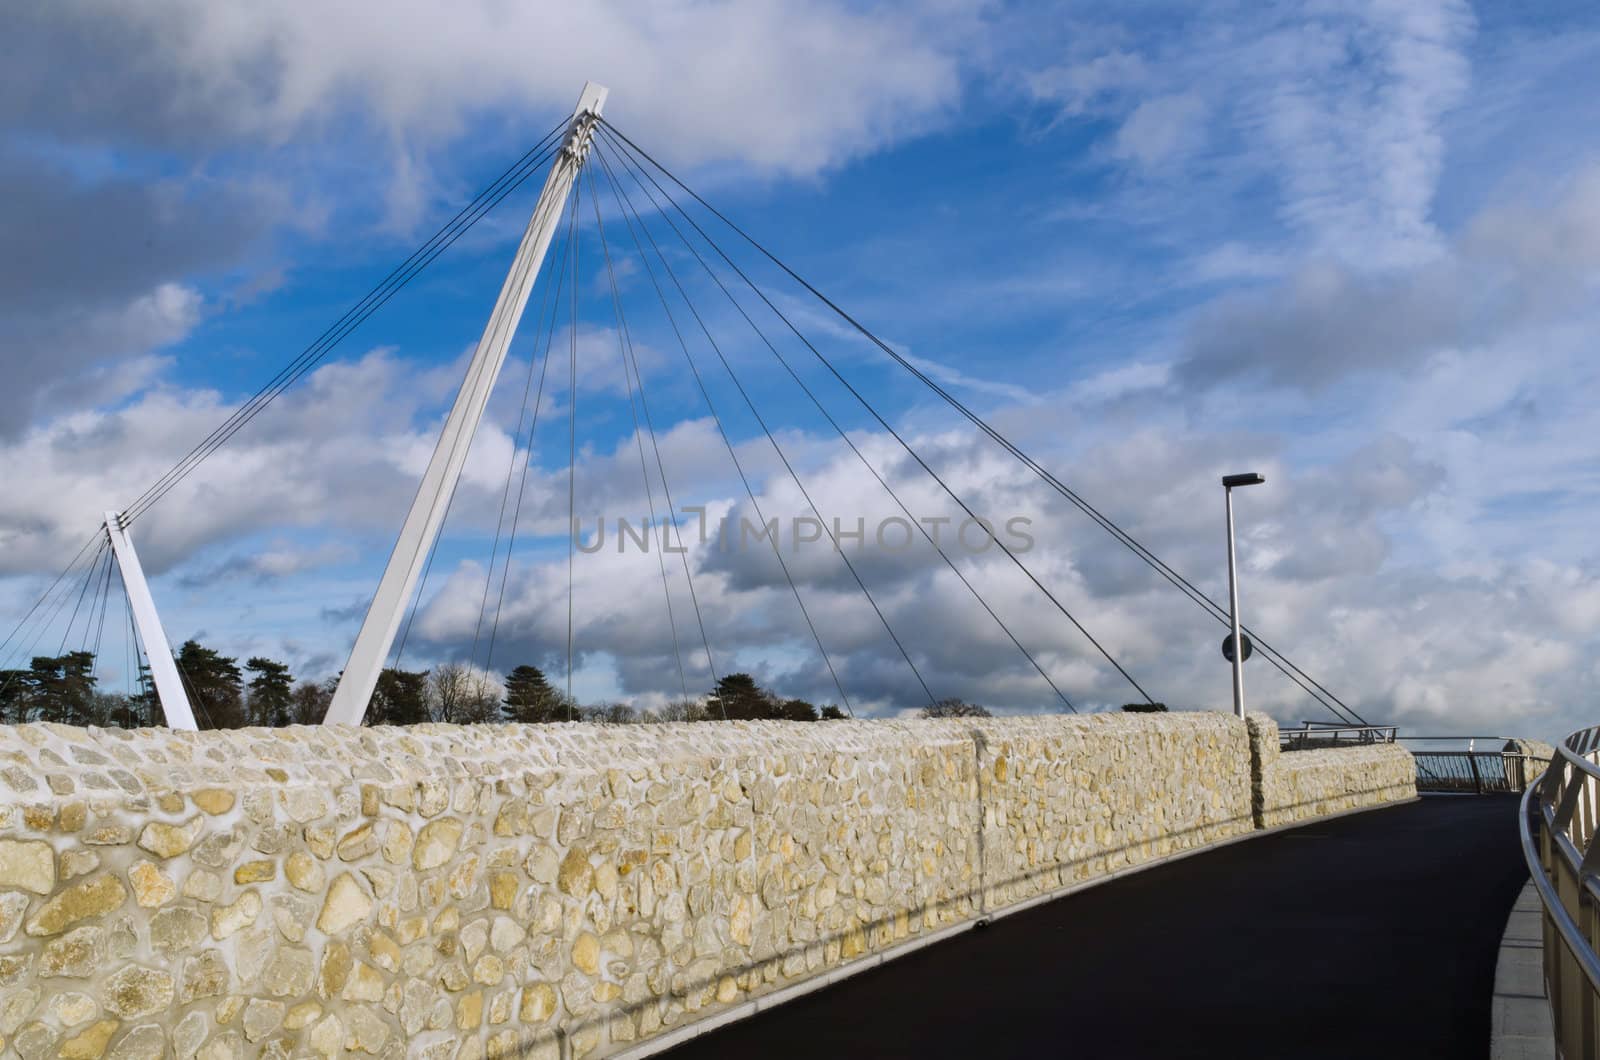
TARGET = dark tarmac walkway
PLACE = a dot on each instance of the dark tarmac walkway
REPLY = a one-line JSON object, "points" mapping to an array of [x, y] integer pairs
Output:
{"points": [[1373, 935]]}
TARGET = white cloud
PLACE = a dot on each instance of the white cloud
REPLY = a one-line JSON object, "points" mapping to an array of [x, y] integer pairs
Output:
{"points": [[1333, 573], [1424, 544], [1518, 267], [1336, 108], [1161, 129], [780, 85]]}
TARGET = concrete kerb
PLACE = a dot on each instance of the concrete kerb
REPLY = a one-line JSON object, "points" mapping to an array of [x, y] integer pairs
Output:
{"points": [[1521, 1027]]}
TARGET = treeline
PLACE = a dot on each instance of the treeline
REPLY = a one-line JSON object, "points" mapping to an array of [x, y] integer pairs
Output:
{"points": [[224, 695], [263, 691]]}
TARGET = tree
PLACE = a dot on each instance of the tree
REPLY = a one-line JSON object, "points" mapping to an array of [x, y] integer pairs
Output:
{"points": [[463, 695], [955, 708], [399, 698], [15, 696], [677, 710], [531, 698], [65, 689], [271, 690], [308, 704], [830, 712], [53, 688], [1145, 708], [145, 704], [108, 710], [797, 710], [611, 714], [213, 683], [737, 697]]}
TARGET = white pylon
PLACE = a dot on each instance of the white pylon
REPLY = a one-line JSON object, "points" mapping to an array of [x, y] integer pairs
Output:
{"points": [[422, 522], [163, 671]]}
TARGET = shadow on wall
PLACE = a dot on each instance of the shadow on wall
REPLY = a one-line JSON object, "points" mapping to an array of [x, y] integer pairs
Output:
{"points": [[618, 884], [879, 937]]}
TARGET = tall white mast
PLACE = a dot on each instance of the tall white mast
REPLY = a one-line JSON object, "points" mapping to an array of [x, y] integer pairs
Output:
{"points": [[422, 523], [163, 671]]}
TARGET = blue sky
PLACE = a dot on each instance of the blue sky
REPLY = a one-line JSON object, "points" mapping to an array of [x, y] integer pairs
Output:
{"points": [[1352, 245]]}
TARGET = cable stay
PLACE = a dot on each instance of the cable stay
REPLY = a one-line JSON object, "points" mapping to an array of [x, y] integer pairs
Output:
{"points": [[778, 449], [553, 304], [621, 142], [81, 593], [733, 455], [487, 199], [845, 437], [973, 515], [624, 346]]}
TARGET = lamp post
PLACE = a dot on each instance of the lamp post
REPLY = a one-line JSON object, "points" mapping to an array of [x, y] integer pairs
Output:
{"points": [[1236, 656]]}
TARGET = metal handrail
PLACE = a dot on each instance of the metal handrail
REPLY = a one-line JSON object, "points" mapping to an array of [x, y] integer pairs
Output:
{"points": [[1561, 844], [1332, 735], [1480, 772]]}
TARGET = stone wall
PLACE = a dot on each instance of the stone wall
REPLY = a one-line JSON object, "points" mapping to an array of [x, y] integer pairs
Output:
{"points": [[1520, 773], [449, 891], [1289, 786]]}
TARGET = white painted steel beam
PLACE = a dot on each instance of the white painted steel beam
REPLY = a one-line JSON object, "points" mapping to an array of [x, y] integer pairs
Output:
{"points": [[422, 523], [169, 686]]}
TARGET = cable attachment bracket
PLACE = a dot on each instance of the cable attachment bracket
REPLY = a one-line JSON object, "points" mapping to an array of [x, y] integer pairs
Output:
{"points": [[580, 132]]}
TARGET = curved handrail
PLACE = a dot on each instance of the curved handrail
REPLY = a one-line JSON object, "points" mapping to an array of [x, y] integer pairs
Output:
{"points": [[1571, 934], [1559, 826]]}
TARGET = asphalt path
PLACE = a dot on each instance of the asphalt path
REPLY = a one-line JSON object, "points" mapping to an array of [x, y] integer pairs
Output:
{"points": [[1372, 935]]}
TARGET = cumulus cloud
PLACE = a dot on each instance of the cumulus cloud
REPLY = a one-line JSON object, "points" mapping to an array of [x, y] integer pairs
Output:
{"points": [[97, 277], [1415, 383], [133, 189], [1516, 266], [792, 87]]}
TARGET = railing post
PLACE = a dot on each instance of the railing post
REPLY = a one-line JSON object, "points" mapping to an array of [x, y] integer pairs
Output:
{"points": [[1586, 1006], [1477, 778], [1557, 823]]}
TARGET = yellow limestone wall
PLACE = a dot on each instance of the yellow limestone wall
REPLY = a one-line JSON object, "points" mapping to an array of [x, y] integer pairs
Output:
{"points": [[446, 891], [1301, 785]]}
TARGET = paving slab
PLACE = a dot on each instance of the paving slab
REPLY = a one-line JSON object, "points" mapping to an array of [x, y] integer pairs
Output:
{"points": [[1520, 1009]]}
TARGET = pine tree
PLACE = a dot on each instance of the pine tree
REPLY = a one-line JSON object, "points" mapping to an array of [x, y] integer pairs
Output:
{"points": [[271, 690], [738, 698], [59, 688], [16, 688], [530, 698], [399, 698], [213, 683], [144, 705], [798, 710]]}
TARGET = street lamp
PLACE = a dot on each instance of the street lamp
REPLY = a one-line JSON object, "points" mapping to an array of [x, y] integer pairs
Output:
{"points": [[1235, 642]]}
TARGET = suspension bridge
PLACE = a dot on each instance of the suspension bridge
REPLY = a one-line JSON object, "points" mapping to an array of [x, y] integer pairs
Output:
{"points": [[610, 893]]}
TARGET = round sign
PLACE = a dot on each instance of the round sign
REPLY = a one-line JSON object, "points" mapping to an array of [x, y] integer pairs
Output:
{"points": [[1227, 646]]}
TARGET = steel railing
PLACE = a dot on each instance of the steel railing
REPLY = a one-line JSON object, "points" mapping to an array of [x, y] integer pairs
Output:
{"points": [[1312, 735], [1560, 812], [1478, 772], [1461, 770]]}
